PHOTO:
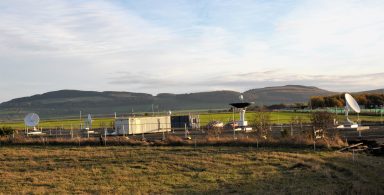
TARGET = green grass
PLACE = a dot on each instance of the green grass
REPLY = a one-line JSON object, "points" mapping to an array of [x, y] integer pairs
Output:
{"points": [[186, 170], [276, 117], [280, 117]]}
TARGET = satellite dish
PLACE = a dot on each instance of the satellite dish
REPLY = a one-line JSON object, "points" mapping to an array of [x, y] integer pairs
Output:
{"points": [[89, 118], [31, 120], [351, 103], [88, 122]]}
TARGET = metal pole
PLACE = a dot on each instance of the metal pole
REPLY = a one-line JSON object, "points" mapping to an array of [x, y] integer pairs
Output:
{"points": [[80, 120], [185, 131], [105, 137], [233, 122]]}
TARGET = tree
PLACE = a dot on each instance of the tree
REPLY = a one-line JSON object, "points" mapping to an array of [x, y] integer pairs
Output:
{"points": [[262, 123], [322, 120], [317, 102]]}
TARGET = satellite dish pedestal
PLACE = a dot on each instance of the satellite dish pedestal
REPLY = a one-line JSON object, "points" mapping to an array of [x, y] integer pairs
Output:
{"points": [[242, 123], [88, 125]]}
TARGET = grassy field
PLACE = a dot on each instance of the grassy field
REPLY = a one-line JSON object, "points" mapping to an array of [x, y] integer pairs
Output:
{"points": [[186, 170], [276, 117]]}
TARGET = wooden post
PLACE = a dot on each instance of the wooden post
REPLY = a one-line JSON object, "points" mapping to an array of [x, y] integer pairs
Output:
{"points": [[257, 143]]}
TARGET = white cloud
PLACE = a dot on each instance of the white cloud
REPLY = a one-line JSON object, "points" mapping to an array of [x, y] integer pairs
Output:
{"points": [[187, 46]]}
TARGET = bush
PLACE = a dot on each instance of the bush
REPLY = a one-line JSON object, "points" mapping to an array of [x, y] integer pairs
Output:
{"points": [[6, 131]]}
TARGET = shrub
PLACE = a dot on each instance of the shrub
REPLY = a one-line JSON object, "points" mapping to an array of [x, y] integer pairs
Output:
{"points": [[6, 131]]}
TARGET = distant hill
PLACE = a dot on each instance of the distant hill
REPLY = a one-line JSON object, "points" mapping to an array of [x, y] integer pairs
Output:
{"points": [[70, 102], [285, 94], [376, 91]]}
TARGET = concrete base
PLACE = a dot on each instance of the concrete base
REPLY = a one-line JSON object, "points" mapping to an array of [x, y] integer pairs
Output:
{"points": [[244, 129], [353, 127], [36, 133]]}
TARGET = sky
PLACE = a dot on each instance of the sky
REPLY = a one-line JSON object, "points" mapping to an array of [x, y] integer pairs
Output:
{"points": [[184, 46]]}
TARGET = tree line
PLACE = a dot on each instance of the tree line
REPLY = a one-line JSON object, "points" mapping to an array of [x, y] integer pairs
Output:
{"points": [[366, 100]]}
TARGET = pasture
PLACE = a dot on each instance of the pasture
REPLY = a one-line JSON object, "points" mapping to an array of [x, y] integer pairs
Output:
{"points": [[107, 122], [187, 170]]}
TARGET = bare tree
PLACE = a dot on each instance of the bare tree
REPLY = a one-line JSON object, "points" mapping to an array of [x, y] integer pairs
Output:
{"points": [[322, 121], [262, 123]]}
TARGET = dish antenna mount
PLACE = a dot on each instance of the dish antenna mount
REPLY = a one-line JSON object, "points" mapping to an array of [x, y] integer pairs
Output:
{"points": [[88, 122]]}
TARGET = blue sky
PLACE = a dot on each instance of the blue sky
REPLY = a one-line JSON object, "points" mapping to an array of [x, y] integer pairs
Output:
{"points": [[189, 46]]}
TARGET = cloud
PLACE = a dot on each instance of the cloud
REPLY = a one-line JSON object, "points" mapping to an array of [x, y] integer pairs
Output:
{"points": [[184, 46], [249, 80]]}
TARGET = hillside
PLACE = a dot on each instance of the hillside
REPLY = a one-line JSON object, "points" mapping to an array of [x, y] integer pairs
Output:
{"points": [[70, 102], [286, 94]]}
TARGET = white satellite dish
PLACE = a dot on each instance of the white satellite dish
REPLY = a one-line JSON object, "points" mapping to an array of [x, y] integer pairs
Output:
{"points": [[89, 118], [88, 122], [31, 120], [351, 103]]}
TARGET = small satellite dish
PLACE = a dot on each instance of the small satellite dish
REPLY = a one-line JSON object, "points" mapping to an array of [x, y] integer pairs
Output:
{"points": [[88, 122], [351, 103], [31, 120], [89, 118]]}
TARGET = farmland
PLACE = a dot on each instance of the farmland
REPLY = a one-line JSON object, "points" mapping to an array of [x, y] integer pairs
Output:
{"points": [[101, 122], [181, 170]]}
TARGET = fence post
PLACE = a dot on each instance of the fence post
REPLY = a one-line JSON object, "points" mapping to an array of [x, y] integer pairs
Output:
{"points": [[105, 137], [314, 139], [185, 131]]}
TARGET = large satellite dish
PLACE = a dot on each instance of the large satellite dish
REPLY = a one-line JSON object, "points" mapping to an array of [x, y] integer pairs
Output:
{"points": [[351, 103], [31, 120]]}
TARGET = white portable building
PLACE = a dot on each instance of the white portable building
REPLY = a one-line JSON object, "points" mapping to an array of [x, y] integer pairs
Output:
{"points": [[140, 125]]}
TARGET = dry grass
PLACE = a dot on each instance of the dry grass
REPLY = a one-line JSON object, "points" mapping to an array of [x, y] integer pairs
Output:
{"points": [[171, 140], [186, 170]]}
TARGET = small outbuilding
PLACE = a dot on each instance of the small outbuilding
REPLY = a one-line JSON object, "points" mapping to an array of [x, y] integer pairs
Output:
{"points": [[191, 121], [140, 125]]}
